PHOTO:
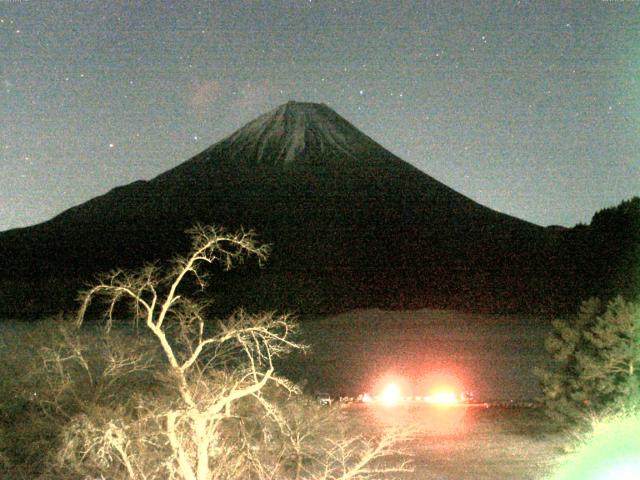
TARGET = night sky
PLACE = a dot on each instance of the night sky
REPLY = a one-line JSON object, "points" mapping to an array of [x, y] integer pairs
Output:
{"points": [[530, 108]]}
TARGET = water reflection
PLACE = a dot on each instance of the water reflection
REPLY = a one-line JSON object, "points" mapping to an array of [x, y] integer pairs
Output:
{"points": [[429, 419]]}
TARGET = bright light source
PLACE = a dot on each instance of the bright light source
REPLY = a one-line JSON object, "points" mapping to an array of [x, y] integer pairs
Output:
{"points": [[391, 394], [444, 397], [623, 471], [610, 452]]}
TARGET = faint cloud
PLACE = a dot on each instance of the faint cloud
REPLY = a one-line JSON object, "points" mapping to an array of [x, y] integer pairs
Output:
{"points": [[208, 95], [235, 101], [203, 95]]}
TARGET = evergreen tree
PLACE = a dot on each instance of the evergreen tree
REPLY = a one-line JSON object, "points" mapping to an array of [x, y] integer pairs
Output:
{"points": [[595, 360], [614, 246]]}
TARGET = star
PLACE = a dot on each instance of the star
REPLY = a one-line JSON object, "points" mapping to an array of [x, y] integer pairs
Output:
{"points": [[505, 79]]}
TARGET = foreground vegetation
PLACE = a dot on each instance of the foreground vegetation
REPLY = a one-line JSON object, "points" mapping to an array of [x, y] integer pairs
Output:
{"points": [[168, 394], [159, 390]]}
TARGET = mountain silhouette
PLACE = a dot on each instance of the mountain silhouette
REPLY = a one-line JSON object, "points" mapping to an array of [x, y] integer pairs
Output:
{"points": [[351, 225]]}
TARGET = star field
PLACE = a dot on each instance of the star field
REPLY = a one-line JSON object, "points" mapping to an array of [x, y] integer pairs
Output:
{"points": [[530, 108]]}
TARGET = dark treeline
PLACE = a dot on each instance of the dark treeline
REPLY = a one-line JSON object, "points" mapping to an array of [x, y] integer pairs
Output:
{"points": [[551, 276]]}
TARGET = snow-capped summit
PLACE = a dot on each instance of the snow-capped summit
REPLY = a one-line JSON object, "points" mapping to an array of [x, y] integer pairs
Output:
{"points": [[294, 130]]}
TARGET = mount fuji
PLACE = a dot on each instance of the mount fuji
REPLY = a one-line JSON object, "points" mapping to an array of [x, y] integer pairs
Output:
{"points": [[351, 225]]}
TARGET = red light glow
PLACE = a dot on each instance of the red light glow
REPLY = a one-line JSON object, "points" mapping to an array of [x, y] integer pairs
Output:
{"points": [[443, 388]]}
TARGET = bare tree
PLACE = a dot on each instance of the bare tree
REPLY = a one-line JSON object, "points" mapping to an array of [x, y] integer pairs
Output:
{"points": [[231, 416]]}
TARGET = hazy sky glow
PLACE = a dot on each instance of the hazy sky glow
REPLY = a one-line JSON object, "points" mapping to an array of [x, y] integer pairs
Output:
{"points": [[530, 108]]}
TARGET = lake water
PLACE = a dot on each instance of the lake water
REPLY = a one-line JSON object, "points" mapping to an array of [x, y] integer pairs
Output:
{"points": [[491, 355]]}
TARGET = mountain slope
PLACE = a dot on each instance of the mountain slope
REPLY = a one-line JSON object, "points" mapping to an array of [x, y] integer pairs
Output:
{"points": [[351, 224]]}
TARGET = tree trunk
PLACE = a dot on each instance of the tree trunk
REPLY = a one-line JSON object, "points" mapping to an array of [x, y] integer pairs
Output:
{"points": [[200, 430]]}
